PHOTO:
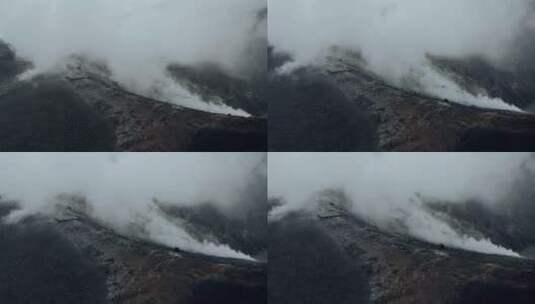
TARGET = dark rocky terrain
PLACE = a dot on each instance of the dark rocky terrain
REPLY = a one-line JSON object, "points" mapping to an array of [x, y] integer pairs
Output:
{"points": [[71, 258], [246, 233], [331, 256], [508, 222], [243, 226], [516, 86], [82, 109], [10, 65], [212, 83], [341, 106]]}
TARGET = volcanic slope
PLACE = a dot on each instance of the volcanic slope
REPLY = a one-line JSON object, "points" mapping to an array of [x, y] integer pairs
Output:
{"points": [[71, 258], [81, 108], [339, 105], [330, 255]]}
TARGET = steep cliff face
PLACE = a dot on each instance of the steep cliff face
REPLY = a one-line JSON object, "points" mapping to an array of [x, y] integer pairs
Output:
{"points": [[82, 109], [333, 256], [69, 258], [340, 105]]}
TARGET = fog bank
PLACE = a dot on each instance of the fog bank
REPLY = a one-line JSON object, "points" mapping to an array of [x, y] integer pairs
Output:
{"points": [[395, 36], [386, 188], [137, 39], [121, 190]]}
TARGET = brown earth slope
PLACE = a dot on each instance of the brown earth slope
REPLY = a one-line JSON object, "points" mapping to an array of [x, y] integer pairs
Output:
{"points": [[340, 106], [82, 109], [334, 257]]}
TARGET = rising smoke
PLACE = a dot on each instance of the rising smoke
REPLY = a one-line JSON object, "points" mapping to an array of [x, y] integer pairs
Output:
{"points": [[396, 37], [388, 189], [124, 191], [138, 39]]}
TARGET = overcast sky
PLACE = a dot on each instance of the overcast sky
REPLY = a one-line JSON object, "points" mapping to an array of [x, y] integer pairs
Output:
{"points": [[394, 36]]}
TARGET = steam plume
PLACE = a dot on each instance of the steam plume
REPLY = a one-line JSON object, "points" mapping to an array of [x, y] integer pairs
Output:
{"points": [[395, 37], [387, 189], [123, 190], [137, 39]]}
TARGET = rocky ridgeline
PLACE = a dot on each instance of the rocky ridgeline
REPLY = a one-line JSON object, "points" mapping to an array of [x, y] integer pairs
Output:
{"points": [[82, 109], [71, 258], [337, 258], [341, 106]]}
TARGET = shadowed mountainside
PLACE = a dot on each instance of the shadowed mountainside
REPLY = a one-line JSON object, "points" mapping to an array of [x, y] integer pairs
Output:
{"points": [[72, 259], [215, 85], [10, 65], [82, 109], [247, 234], [341, 106], [382, 267], [474, 74]]}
